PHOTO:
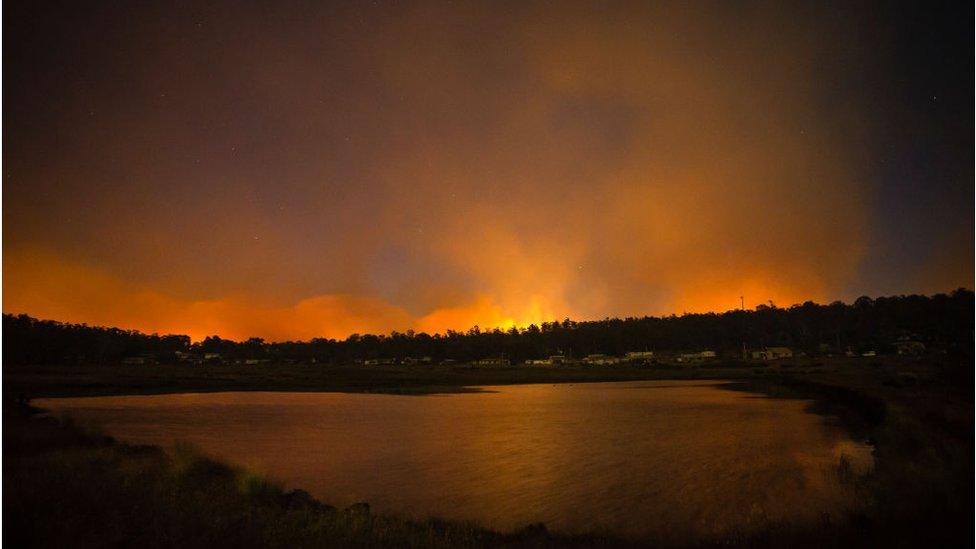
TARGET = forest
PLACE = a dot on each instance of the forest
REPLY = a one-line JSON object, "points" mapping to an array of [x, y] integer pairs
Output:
{"points": [[942, 322]]}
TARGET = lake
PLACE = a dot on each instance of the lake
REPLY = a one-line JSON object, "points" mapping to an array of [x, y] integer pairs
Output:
{"points": [[681, 460]]}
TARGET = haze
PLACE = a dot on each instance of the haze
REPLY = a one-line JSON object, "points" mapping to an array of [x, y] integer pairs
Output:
{"points": [[315, 171]]}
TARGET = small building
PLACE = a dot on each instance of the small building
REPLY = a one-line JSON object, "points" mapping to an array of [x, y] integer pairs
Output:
{"points": [[559, 359], [493, 362], [538, 362], [133, 360], [640, 355], [601, 360], [211, 357], [905, 346], [192, 358], [773, 353], [696, 357], [379, 361], [412, 360]]}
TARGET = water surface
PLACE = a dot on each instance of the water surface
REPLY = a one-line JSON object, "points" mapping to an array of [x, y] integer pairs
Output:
{"points": [[676, 459]]}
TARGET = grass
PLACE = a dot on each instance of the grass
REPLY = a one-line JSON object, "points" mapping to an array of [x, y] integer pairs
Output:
{"points": [[67, 487], [91, 380], [64, 487]]}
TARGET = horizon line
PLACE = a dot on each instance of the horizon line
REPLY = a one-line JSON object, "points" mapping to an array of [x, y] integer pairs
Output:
{"points": [[756, 308]]}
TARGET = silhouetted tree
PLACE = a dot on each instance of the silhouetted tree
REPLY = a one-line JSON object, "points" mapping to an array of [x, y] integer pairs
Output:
{"points": [[941, 321]]}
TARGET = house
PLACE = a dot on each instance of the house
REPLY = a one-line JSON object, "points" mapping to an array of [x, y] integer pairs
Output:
{"points": [[907, 346], [188, 357], [411, 360], [135, 360], [696, 357], [640, 357], [538, 362], [493, 362], [602, 360], [379, 361], [772, 353], [211, 357], [559, 359]]}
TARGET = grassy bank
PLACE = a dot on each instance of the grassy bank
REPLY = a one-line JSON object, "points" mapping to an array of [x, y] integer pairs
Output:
{"points": [[63, 486], [91, 380], [35, 381], [918, 415]]}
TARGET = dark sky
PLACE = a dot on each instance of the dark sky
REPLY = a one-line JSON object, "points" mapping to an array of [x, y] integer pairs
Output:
{"points": [[291, 170]]}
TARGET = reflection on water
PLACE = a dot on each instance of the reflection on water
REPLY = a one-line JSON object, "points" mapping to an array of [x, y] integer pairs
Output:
{"points": [[685, 459]]}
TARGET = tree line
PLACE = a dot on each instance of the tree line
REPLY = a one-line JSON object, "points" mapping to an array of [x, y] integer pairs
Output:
{"points": [[942, 322]]}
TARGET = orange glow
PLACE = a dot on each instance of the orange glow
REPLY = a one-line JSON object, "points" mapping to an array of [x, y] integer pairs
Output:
{"points": [[440, 167], [49, 287]]}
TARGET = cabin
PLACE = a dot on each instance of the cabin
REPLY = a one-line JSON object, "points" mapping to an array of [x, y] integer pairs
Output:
{"points": [[696, 357], [193, 358], [639, 357], [493, 362], [601, 360], [773, 353], [905, 346], [379, 361]]}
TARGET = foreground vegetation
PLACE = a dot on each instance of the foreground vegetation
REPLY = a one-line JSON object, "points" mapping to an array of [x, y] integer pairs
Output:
{"points": [[66, 487]]}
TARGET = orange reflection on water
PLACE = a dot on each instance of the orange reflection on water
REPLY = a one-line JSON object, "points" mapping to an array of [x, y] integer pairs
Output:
{"points": [[672, 460]]}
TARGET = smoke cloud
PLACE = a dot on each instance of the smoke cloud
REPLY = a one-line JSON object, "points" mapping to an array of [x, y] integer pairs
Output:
{"points": [[318, 172]]}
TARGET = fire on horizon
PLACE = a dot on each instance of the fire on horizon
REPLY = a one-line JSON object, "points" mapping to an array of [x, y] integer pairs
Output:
{"points": [[305, 170]]}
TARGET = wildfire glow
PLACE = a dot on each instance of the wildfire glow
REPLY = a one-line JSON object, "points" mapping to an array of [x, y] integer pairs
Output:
{"points": [[435, 167]]}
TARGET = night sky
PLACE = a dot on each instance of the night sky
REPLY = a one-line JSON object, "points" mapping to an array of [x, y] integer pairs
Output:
{"points": [[294, 170]]}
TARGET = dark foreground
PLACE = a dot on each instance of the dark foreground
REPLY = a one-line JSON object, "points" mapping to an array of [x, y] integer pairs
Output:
{"points": [[66, 487]]}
